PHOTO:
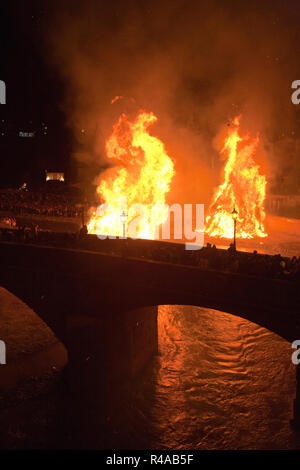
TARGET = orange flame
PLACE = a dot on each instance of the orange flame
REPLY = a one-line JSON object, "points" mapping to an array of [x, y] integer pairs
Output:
{"points": [[143, 175], [244, 189]]}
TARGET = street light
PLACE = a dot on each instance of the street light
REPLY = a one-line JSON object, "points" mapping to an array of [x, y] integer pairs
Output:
{"points": [[234, 214], [82, 215], [124, 221]]}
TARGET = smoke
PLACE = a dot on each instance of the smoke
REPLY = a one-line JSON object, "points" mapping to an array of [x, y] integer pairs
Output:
{"points": [[195, 64]]}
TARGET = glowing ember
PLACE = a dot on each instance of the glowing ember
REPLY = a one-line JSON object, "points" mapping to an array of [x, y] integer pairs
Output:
{"points": [[116, 98], [244, 189], [142, 176]]}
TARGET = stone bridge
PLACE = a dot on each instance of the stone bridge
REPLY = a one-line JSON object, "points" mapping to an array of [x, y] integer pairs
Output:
{"points": [[103, 307]]}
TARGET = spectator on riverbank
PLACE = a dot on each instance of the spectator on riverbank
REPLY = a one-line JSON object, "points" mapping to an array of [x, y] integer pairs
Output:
{"points": [[38, 203]]}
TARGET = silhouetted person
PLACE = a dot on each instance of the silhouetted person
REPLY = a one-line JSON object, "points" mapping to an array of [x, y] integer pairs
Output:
{"points": [[231, 248], [83, 232]]}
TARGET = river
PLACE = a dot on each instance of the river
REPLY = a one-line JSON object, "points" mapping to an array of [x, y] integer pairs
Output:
{"points": [[219, 382]]}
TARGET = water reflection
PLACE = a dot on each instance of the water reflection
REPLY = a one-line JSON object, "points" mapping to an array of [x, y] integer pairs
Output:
{"points": [[219, 382]]}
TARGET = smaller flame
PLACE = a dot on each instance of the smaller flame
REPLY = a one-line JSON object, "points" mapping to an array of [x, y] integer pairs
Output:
{"points": [[244, 189]]}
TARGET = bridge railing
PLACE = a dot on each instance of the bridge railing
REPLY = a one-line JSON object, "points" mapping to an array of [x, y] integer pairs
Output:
{"points": [[209, 257]]}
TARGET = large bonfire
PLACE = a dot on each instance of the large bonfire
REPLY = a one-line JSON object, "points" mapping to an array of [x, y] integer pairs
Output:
{"points": [[243, 189], [142, 175]]}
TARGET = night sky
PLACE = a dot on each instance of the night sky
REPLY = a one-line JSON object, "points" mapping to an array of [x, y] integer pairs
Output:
{"points": [[34, 92]]}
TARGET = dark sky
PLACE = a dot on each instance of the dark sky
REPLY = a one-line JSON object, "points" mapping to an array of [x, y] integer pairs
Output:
{"points": [[34, 95], [196, 64]]}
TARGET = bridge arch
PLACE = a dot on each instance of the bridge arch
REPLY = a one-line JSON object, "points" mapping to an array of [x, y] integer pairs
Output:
{"points": [[256, 315], [32, 347]]}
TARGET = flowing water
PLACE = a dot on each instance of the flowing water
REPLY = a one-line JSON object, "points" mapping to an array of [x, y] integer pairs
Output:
{"points": [[219, 382]]}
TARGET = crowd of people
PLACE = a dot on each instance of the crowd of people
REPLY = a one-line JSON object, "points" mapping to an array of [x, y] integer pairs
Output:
{"points": [[209, 257], [265, 265], [22, 202], [258, 264]]}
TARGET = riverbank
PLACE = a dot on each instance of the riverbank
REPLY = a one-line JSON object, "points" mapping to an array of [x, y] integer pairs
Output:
{"points": [[31, 381]]}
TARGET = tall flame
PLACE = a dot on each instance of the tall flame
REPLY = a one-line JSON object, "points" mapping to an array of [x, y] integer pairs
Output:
{"points": [[143, 175], [244, 189]]}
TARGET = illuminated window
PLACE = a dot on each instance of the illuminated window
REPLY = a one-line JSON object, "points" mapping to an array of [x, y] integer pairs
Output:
{"points": [[55, 176], [26, 134]]}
